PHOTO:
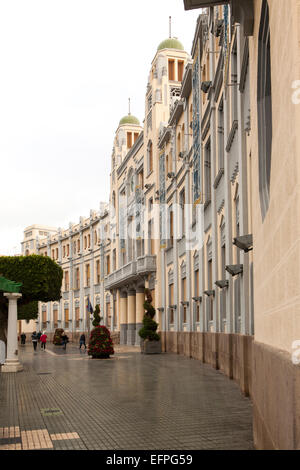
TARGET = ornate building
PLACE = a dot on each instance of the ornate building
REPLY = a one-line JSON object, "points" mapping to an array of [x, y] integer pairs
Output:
{"points": [[203, 210]]}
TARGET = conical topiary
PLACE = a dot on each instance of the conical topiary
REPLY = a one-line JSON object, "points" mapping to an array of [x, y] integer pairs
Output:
{"points": [[97, 318], [149, 325]]}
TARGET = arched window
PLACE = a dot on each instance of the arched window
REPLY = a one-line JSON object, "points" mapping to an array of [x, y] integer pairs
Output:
{"points": [[264, 109]]}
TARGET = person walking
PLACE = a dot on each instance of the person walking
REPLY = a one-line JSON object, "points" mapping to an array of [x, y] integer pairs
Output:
{"points": [[82, 341], [39, 336], [43, 340], [34, 340], [23, 338], [65, 340]]}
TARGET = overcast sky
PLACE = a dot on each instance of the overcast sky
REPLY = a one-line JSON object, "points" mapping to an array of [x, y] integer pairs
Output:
{"points": [[67, 70]]}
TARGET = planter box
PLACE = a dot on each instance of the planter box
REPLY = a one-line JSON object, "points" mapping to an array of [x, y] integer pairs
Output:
{"points": [[151, 347]]}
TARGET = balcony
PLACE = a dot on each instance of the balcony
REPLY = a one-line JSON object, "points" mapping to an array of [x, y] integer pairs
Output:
{"points": [[131, 272]]}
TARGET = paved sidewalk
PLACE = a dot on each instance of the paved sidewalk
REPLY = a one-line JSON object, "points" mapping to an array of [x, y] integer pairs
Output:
{"points": [[66, 400]]}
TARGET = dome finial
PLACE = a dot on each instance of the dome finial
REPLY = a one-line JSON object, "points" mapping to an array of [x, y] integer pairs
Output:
{"points": [[170, 25], [128, 106]]}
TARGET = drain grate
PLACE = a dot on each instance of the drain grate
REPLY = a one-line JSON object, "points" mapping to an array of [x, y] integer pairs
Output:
{"points": [[51, 411], [44, 373]]}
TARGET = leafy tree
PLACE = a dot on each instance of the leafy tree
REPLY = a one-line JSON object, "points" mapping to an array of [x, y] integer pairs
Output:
{"points": [[41, 279]]}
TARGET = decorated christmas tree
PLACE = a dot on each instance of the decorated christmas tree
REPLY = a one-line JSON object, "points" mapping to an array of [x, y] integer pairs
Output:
{"points": [[100, 343]]}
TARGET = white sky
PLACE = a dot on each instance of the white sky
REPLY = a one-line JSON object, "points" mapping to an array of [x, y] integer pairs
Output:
{"points": [[67, 70]]}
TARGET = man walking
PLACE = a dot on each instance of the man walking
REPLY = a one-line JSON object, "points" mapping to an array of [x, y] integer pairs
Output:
{"points": [[82, 341], [34, 340]]}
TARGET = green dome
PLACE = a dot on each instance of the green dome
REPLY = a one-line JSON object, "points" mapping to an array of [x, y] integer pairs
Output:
{"points": [[129, 119], [170, 43]]}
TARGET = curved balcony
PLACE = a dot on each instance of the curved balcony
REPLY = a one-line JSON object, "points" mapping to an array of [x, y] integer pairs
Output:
{"points": [[130, 272]]}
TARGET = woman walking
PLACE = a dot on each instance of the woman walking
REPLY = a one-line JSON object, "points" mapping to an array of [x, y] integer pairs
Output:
{"points": [[43, 340]]}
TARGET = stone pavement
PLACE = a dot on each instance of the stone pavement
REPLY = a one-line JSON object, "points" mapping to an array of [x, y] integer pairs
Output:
{"points": [[66, 400]]}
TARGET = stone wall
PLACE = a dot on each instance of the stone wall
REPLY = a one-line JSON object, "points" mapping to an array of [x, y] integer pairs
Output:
{"points": [[276, 399], [231, 353]]}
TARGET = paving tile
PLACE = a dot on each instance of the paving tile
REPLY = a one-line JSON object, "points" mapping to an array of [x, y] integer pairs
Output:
{"points": [[133, 402]]}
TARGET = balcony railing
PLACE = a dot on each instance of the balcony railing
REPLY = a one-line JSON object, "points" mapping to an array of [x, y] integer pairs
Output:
{"points": [[131, 271]]}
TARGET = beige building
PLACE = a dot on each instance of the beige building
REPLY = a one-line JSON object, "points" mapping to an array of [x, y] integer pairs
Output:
{"points": [[204, 211]]}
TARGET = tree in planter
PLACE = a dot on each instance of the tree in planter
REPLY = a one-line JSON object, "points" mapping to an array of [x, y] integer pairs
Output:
{"points": [[148, 331], [41, 279], [100, 344]]}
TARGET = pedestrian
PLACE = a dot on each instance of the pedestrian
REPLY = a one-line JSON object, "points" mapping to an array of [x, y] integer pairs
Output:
{"points": [[23, 338], [39, 336], [43, 340], [34, 339], [65, 340], [82, 341]]}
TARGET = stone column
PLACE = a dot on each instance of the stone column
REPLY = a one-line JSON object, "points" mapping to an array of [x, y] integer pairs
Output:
{"points": [[12, 363], [123, 317], [131, 317], [139, 304]]}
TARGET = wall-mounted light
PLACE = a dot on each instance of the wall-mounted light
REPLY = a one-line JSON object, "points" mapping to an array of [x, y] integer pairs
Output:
{"points": [[222, 283], [234, 269], [244, 242]]}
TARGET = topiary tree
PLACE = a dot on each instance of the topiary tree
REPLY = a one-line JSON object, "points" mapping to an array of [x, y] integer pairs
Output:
{"points": [[100, 344], [41, 279], [148, 331], [97, 318]]}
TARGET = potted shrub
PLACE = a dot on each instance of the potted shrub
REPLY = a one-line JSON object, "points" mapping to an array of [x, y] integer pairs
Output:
{"points": [[151, 343], [100, 342]]}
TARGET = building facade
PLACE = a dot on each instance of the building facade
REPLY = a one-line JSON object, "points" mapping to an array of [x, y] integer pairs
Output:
{"points": [[204, 211]]}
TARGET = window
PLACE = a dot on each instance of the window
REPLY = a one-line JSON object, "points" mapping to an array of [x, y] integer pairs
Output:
{"points": [[68, 249], [89, 240], [114, 259], [87, 275], [66, 317], [95, 237], [150, 157], [64, 251], [98, 271], [66, 280], [107, 264], [182, 207], [77, 278], [221, 136], [78, 246], [178, 144], [264, 109], [129, 140], [180, 66], [207, 172], [171, 64], [85, 243], [74, 247], [135, 136], [77, 311], [55, 317]]}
